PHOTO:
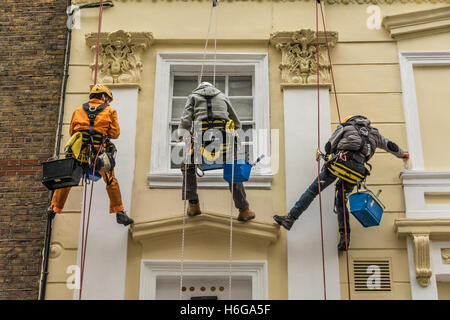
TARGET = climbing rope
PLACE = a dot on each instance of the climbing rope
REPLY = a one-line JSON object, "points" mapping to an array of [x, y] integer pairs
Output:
{"points": [[85, 233], [231, 215], [318, 148], [318, 2]]}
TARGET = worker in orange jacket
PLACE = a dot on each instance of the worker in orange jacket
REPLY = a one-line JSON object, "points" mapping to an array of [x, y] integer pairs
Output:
{"points": [[105, 124]]}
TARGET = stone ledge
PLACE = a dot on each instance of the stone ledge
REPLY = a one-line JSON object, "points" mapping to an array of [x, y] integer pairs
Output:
{"points": [[252, 230]]}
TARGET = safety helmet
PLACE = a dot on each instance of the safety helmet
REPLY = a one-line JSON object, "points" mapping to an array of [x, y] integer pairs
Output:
{"points": [[347, 118], [100, 88]]}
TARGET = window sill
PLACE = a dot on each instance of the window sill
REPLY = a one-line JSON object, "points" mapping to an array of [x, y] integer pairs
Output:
{"points": [[169, 180]]}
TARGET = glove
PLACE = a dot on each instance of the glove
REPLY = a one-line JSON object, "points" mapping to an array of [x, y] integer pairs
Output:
{"points": [[406, 155]]}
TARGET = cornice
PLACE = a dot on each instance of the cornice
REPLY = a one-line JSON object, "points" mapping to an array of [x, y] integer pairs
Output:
{"points": [[330, 2], [420, 231], [211, 222], [418, 23]]}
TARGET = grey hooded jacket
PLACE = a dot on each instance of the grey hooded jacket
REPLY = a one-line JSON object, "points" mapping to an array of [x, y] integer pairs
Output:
{"points": [[347, 138], [196, 108]]}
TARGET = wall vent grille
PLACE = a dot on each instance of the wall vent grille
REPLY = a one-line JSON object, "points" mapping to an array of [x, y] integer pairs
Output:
{"points": [[372, 275]]}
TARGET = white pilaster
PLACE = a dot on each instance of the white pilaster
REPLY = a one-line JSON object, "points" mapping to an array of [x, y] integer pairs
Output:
{"points": [[304, 239], [106, 254]]}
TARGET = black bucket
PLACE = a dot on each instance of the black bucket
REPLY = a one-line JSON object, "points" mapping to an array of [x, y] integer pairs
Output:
{"points": [[63, 173]]}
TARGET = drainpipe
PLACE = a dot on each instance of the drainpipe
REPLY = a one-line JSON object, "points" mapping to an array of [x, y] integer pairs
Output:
{"points": [[48, 233]]}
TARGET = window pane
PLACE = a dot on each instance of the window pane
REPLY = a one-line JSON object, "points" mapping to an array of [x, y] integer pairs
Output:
{"points": [[220, 81], [173, 132], [183, 85], [240, 86], [243, 108], [247, 135], [177, 108], [175, 162], [246, 151]]}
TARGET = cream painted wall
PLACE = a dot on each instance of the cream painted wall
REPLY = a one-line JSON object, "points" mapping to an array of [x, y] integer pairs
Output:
{"points": [[368, 82], [433, 102]]}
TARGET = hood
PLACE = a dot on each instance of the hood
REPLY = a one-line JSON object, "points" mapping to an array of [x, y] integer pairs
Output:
{"points": [[206, 91], [361, 120]]}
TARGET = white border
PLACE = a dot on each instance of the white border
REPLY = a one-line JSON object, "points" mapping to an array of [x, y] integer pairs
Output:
{"points": [[151, 270], [160, 176], [408, 60]]}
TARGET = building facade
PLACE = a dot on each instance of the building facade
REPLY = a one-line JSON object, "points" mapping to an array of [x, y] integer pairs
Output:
{"points": [[390, 61], [33, 41]]}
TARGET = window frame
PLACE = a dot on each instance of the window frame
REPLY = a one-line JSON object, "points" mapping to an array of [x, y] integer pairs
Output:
{"points": [[167, 64]]}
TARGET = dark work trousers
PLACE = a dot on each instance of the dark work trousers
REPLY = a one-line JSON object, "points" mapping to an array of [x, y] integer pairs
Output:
{"points": [[326, 178], [239, 195]]}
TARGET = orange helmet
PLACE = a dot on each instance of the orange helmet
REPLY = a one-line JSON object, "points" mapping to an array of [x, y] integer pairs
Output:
{"points": [[100, 88]]}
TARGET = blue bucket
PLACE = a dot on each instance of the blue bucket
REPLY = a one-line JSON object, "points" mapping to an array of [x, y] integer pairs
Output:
{"points": [[366, 208], [242, 171], [97, 175]]}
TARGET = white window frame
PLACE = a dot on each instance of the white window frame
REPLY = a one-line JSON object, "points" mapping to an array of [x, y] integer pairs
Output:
{"points": [[151, 270], [417, 181], [161, 175], [408, 60]]}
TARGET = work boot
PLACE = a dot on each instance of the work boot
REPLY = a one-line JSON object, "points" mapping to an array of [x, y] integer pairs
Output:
{"points": [[246, 215], [122, 218], [193, 209], [341, 245], [286, 221]]}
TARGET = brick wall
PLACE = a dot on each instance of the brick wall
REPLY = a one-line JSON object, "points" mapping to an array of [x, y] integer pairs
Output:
{"points": [[32, 43]]}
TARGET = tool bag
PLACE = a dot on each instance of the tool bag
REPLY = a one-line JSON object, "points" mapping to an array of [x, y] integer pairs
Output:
{"points": [[61, 173]]}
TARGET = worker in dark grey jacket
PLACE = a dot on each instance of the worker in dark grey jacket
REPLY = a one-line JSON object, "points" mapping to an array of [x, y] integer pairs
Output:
{"points": [[194, 112], [352, 144]]}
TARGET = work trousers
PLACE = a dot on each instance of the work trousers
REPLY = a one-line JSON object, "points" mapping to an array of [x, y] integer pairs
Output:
{"points": [[239, 195], [326, 178], [112, 188]]}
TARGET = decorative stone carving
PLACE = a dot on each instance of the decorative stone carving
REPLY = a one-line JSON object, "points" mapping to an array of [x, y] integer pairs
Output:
{"points": [[445, 252], [119, 56], [299, 56], [422, 258], [56, 250]]}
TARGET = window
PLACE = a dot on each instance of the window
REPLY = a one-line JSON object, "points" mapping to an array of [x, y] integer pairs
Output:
{"points": [[243, 78], [238, 87]]}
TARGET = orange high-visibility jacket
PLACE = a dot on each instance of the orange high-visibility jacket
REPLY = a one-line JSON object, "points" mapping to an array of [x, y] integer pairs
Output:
{"points": [[105, 122]]}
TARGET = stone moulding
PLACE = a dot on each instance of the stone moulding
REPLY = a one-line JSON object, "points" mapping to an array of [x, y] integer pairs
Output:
{"points": [[206, 222], [420, 231], [299, 56], [418, 23], [337, 2], [119, 56]]}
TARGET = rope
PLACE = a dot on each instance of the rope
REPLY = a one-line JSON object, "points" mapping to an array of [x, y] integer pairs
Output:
{"points": [[100, 18], [339, 117], [231, 216], [184, 221], [85, 236], [215, 44], [318, 147], [206, 44]]}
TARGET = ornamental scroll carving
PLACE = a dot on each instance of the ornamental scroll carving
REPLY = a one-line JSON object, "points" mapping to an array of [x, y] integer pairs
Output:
{"points": [[119, 56], [299, 55], [422, 258]]}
